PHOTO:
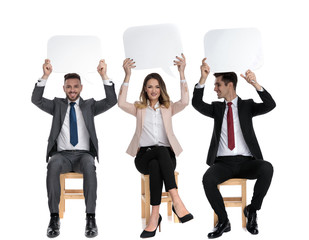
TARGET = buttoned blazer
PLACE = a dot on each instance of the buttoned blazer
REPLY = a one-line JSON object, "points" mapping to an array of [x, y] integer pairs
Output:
{"points": [[247, 109], [167, 114], [58, 108]]}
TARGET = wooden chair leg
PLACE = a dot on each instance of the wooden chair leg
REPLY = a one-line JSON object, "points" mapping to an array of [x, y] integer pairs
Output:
{"points": [[215, 219], [169, 208], [243, 202], [62, 200], [147, 199]]}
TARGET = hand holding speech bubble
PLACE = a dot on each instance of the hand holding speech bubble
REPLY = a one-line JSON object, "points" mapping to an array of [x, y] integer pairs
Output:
{"points": [[233, 50], [153, 46], [79, 54]]}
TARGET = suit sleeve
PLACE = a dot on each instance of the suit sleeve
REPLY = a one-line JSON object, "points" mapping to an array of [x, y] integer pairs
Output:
{"points": [[108, 102], [266, 106], [41, 102], [198, 103]]}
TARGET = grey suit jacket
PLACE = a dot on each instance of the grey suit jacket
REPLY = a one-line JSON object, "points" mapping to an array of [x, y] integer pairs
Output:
{"points": [[58, 108]]}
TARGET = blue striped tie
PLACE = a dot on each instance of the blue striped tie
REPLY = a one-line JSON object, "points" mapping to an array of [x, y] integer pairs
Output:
{"points": [[73, 125]]}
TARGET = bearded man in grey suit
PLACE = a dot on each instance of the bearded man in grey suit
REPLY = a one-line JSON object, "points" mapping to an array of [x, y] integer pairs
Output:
{"points": [[72, 144]]}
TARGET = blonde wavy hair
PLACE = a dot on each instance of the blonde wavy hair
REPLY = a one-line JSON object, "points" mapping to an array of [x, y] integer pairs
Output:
{"points": [[164, 98]]}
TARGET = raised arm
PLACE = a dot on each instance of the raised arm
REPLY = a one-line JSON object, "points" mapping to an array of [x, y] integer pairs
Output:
{"points": [[111, 97], [184, 100], [128, 64], [268, 103], [197, 100], [37, 94]]}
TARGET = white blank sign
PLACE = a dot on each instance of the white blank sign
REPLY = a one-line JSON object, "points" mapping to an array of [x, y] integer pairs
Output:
{"points": [[154, 46], [74, 53], [233, 50]]}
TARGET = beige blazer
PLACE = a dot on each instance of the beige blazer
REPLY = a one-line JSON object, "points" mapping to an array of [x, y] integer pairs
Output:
{"points": [[167, 114]]}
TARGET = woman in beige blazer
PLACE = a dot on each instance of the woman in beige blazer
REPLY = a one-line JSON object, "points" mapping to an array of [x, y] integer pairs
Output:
{"points": [[154, 144]]}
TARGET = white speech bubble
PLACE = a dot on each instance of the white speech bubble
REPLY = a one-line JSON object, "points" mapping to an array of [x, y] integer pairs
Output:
{"points": [[233, 50], [80, 54], [154, 46]]}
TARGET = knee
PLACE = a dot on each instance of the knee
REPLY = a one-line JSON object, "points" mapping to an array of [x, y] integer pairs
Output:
{"points": [[87, 166], [54, 165], [267, 169], [209, 180]]}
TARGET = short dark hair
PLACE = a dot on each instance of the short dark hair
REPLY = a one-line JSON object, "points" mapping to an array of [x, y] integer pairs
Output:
{"points": [[228, 77], [71, 75]]}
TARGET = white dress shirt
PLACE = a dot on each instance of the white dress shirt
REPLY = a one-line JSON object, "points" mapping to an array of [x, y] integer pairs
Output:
{"points": [[153, 132], [63, 140], [241, 147]]}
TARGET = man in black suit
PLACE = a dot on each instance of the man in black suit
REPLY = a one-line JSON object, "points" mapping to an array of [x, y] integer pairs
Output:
{"points": [[234, 151], [72, 144]]}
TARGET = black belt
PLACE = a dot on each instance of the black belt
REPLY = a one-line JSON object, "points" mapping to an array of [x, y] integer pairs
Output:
{"points": [[240, 157], [77, 151], [151, 147]]}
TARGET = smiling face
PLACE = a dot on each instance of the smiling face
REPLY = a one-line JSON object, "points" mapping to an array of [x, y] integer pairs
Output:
{"points": [[153, 90], [72, 88], [222, 90]]}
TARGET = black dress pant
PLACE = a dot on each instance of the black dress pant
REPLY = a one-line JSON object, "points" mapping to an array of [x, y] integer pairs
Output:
{"points": [[159, 162], [67, 161], [236, 167]]}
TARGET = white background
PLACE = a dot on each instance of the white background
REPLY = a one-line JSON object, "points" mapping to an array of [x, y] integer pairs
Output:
{"points": [[25, 29]]}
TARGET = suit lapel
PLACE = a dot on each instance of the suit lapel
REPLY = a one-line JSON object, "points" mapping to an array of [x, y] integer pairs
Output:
{"points": [[223, 106], [223, 109], [241, 113], [82, 108], [64, 108]]}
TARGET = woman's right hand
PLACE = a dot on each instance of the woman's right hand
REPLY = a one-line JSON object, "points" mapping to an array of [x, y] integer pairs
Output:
{"points": [[128, 64]]}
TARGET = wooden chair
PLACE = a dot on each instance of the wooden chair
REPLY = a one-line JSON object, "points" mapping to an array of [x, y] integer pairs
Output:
{"points": [[235, 201], [145, 198], [69, 193]]}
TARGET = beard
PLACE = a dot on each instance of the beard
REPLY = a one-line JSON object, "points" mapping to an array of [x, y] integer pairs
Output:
{"points": [[72, 96]]}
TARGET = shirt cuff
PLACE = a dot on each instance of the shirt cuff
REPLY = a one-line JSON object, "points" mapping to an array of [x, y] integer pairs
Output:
{"points": [[198, 85], [262, 89], [108, 82], [41, 82]]}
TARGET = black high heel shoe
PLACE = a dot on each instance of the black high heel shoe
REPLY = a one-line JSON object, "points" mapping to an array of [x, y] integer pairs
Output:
{"points": [[147, 234], [185, 218]]}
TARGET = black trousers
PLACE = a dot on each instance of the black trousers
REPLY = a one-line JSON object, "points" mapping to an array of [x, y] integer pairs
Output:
{"points": [[159, 162], [236, 167], [64, 162]]}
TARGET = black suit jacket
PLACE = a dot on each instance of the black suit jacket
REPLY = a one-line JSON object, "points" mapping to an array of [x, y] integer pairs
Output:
{"points": [[247, 109], [58, 108]]}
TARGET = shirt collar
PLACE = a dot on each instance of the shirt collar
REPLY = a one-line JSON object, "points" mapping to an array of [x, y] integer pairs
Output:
{"points": [[156, 106], [77, 101], [234, 101]]}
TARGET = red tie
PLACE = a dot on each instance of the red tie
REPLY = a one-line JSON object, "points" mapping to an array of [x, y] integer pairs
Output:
{"points": [[230, 127]]}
